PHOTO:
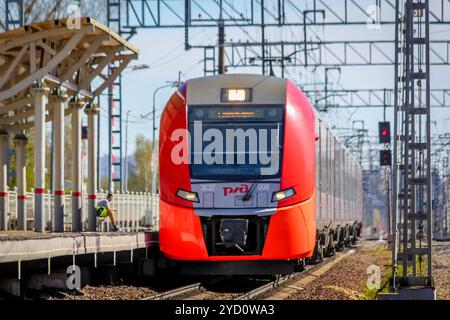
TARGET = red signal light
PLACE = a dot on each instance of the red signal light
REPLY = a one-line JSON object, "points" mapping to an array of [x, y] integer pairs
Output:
{"points": [[384, 132]]}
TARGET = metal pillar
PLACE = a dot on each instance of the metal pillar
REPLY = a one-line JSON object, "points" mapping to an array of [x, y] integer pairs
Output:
{"points": [[446, 204], [387, 173], [114, 22], [3, 180], [110, 143], [20, 142], [221, 66], [76, 105], [58, 99], [92, 111], [412, 201], [263, 40], [39, 91], [126, 151], [115, 134]]}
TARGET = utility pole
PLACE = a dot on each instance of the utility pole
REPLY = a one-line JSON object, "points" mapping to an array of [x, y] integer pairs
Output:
{"points": [[111, 176], [221, 66], [445, 200], [126, 150], [387, 173], [412, 195], [263, 40], [154, 163], [170, 84], [361, 132], [388, 203]]}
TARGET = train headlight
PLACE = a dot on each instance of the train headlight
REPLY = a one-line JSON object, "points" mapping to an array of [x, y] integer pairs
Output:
{"points": [[186, 195], [283, 194], [236, 95]]}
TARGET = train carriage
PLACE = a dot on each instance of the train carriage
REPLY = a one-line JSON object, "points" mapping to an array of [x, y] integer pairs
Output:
{"points": [[251, 179]]}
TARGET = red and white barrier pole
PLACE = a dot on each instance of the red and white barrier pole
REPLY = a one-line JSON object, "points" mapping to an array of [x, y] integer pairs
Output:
{"points": [[3, 180], [20, 142]]}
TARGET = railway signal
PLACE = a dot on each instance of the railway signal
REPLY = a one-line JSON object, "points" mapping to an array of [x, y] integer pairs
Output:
{"points": [[384, 129], [385, 158]]}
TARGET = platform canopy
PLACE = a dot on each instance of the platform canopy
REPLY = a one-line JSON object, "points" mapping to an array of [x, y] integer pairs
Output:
{"points": [[61, 54]]}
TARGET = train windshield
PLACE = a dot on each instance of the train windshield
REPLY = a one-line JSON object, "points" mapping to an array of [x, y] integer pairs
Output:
{"points": [[235, 142]]}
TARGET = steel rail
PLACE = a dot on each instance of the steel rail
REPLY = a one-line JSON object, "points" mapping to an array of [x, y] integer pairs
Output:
{"points": [[175, 293], [285, 280]]}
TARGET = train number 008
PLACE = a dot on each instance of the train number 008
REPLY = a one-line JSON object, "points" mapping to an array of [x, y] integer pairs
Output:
{"points": [[263, 187]]}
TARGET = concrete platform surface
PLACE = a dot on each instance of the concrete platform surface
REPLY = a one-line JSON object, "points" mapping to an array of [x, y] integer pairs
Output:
{"points": [[27, 245]]}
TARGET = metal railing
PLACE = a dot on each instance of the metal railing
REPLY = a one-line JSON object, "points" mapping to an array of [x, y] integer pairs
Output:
{"points": [[135, 211]]}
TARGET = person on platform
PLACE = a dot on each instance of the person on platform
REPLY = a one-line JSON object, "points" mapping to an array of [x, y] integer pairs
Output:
{"points": [[105, 210]]}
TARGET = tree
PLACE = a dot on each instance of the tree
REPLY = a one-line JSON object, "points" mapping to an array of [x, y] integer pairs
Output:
{"points": [[41, 10], [141, 173]]}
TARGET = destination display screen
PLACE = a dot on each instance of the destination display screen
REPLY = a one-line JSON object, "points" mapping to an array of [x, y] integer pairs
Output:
{"points": [[235, 142], [236, 113]]}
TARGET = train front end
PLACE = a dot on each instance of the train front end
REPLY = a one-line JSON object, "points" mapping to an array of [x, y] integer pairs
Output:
{"points": [[237, 175]]}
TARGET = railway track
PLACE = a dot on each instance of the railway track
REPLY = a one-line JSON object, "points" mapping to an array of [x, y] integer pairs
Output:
{"points": [[270, 290], [177, 293], [226, 288], [251, 290]]}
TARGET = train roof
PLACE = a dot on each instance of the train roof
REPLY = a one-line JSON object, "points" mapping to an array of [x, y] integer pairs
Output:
{"points": [[265, 89]]}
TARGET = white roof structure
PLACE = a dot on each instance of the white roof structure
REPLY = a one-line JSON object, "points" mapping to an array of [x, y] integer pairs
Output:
{"points": [[62, 55]]}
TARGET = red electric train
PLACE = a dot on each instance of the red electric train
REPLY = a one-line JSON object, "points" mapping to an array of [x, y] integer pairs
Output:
{"points": [[251, 180]]}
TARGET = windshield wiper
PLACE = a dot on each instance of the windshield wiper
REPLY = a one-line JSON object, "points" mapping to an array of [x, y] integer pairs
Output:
{"points": [[248, 195]]}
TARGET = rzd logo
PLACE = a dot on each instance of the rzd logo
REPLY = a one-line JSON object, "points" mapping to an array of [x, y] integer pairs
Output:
{"points": [[243, 188]]}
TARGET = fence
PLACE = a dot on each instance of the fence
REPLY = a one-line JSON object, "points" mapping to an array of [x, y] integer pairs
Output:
{"points": [[135, 211]]}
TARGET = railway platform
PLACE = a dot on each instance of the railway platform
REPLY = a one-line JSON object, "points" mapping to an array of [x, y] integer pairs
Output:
{"points": [[44, 259], [27, 245]]}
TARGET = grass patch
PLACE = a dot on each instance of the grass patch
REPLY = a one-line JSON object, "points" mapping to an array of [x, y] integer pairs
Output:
{"points": [[371, 294], [386, 274]]}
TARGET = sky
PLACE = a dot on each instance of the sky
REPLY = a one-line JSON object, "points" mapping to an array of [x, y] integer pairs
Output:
{"points": [[163, 50]]}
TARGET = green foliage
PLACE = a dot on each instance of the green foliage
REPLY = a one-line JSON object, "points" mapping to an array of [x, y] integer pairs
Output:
{"points": [[39, 10], [104, 183], [140, 174], [386, 272]]}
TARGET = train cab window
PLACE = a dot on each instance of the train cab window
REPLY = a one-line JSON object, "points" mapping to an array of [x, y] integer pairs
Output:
{"points": [[236, 142]]}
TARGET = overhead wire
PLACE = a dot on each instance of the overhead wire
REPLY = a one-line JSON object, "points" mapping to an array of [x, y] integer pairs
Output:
{"points": [[168, 55]]}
